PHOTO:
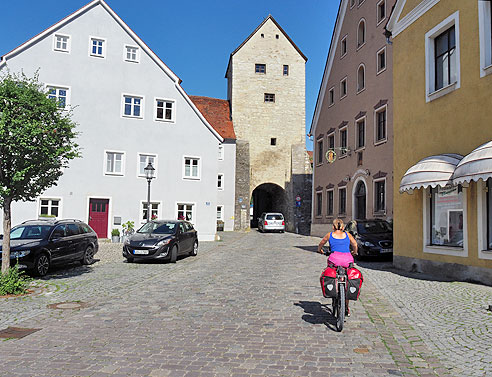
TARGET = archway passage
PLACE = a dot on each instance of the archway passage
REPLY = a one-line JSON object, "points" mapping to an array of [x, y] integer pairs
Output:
{"points": [[360, 201], [267, 197]]}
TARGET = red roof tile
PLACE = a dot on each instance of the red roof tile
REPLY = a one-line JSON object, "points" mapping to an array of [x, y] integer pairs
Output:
{"points": [[217, 112]]}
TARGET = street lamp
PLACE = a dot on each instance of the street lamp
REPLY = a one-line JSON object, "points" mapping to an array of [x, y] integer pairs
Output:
{"points": [[149, 174]]}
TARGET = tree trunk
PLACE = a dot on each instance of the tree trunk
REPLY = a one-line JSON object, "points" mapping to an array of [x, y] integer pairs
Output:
{"points": [[7, 225]]}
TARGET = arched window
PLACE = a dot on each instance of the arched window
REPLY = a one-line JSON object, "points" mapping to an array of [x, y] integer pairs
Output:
{"points": [[361, 33], [361, 78]]}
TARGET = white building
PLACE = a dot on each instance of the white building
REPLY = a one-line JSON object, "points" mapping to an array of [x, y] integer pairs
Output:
{"points": [[130, 109]]}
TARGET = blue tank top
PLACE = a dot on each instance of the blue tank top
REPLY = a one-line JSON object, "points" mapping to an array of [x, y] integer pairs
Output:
{"points": [[340, 245]]}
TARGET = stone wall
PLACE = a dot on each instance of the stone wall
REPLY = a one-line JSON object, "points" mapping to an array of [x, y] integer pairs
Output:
{"points": [[241, 212]]}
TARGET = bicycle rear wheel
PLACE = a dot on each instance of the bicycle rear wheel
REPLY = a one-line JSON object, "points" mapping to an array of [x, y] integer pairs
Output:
{"points": [[340, 307]]}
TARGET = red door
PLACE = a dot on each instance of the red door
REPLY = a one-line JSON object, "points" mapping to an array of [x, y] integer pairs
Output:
{"points": [[98, 216]]}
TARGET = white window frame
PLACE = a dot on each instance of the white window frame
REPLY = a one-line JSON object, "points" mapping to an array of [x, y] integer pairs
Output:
{"points": [[318, 142], [147, 155], [330, 102], [186, 203], [352, 4], [142, 104], [385, 196], [220, 178], [360, 2], [344, 39], [485, 35], [359, 90], [50, 199], [346, 88], [378, 71], [221, 153], [379, 21], [103, 55], [443, 250], [142, 209], [221, 218], [199, 170], [69, 42], [332, 190], [357, 121], [333, 133], [105, 163], [339, 201], [173, 110], [343, 154], [319, 209], [137, 54], [430, 74], [376, 112], [68, 98], [360, 45], [483, 253]]}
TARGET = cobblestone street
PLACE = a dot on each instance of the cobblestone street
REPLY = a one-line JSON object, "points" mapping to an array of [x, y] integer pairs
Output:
{"points": [[249, 305]]}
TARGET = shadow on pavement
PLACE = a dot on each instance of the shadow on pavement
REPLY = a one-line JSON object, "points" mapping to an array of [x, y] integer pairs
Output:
{"points": [[313, 249], [66, 271], [317, 313]]}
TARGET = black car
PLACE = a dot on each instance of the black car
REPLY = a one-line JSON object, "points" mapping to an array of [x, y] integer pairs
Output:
{"points": [[374, 237], [162, 240], [35, 245]]}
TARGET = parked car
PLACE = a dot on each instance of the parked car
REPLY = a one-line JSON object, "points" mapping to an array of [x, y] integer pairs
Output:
{"points": [[36, 245], [270, 221], [162, 240], [374, 237]]}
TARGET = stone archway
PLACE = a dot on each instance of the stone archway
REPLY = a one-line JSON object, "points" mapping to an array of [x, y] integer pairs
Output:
{"points": [[267, 197]]}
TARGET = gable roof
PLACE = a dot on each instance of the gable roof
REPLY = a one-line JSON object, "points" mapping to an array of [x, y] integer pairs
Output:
{"points": [[77, 13], [270, 17], [218, 114]]}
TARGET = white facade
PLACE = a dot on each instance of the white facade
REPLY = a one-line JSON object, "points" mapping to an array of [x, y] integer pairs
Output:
{"points": [[226, 194], [99, 63]]}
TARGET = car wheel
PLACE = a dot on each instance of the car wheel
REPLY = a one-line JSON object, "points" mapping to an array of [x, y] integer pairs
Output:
{"points": [[194, 252], [88, 256], [129, 260], [42, 264], [174, 254]]}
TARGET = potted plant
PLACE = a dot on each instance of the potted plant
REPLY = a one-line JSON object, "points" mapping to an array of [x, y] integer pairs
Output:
{"points": [[115, 236]]}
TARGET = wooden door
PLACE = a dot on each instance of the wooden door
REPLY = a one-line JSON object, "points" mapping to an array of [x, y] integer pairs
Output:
{"points": [[98, 216]]}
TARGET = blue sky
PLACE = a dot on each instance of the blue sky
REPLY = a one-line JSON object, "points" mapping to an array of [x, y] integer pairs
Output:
{"points": [[195, 37]]}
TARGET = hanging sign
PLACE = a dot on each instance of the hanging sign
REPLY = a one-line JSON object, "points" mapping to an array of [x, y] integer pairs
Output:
{"points": [[331, 155]]}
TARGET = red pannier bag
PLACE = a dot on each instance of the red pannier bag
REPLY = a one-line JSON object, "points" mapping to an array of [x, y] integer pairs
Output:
{"points": [[327, 280], [354, 285]]}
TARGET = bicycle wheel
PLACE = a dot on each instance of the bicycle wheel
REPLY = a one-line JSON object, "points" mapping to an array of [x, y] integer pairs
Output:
{"points": [[340, 307]]}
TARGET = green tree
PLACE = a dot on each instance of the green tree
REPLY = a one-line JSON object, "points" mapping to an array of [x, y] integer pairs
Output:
{"points": [[37, 140]]}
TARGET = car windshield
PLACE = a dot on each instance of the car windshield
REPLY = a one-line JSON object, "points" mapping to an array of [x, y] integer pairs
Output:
{"points": [[275, 217], [374, 227], [30, 232], [158, 228]]}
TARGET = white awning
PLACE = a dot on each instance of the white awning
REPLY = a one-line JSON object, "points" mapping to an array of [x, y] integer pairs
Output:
{"points": [[431, 171], [474, 166]]}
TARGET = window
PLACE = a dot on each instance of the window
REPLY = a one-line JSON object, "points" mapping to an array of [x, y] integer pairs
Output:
{"points": [[446, 216], [380, 196], [273, 141], [320, 151], [143, 161], [154, 211], [442, 54], [485, 34], [361, 33], [361, 1], [352, 3], [381, 60], [263, 35], [276, 36], [361, 78], [319, 203], [220, 181], [260, 68], [343, 88], [332, 96], [59, 95], [381, 11], [49, 207], [220, 213], [221, 152], [131, 54], [361, 133], [185, 212], [114, 163], [97, 47], [342, 200], [286, 70], [380, 125], [61, 43], [329, 202], [191, 168], [164, 110], [331, 141], [132, 106], [269, 97], [343, 142], [343, 47]]}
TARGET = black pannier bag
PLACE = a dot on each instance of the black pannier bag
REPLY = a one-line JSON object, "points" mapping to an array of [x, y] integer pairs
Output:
{"points": [[354, 285], [328, 282]]}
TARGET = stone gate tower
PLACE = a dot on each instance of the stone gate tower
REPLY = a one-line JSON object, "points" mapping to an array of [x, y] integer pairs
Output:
{"points": [[266, 92]]}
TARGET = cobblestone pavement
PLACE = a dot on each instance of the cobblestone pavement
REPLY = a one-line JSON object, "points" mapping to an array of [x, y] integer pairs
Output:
{"points": [[249, 305]]}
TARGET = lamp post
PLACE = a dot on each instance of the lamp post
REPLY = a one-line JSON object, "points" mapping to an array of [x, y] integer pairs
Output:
{"points": [[149, 174]]}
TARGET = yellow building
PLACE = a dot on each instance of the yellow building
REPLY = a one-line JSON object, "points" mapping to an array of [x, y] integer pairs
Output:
{"points": [[442, 80]]}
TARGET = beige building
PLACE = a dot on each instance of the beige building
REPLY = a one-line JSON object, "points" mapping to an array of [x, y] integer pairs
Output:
{"points": [[266, 90], [352, 123]]}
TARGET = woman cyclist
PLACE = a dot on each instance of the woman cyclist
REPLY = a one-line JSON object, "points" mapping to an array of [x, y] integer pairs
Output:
{"points": [[340, 242]]}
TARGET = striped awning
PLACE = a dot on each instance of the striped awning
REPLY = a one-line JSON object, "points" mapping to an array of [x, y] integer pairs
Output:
{"points": [[431, 171], [475, 165]]}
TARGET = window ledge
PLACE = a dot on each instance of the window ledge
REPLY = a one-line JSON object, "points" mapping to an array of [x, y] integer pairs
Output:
{"points": [[380, 21], [343, 97], [191, 178], [131, 116], [163, 120], [114, 174], [380, 142], [446, 250], [442, 92], [381, 71], [332, 104], [487, 70], [342, 56], [360, 46], [361, 90]]}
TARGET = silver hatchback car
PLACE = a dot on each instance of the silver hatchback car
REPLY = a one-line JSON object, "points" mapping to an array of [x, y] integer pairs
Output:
{"points": [[271, 221]]}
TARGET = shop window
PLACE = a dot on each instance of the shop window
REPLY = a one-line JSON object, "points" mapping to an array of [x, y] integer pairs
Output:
{"points": [[446, 216]]}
